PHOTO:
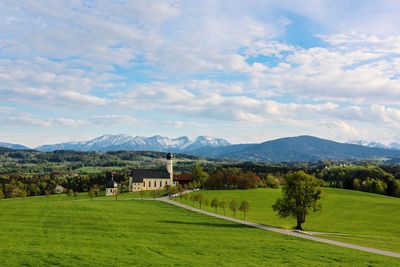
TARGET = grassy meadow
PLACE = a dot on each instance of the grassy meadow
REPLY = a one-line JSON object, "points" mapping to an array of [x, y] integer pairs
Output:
{"points": [[64, 231], [364, 218]]}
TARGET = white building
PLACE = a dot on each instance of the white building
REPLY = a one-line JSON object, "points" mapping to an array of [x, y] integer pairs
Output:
{"points": [[145, 179], [111, 186]]}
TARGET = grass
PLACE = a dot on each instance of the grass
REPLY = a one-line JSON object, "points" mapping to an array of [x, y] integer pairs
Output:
{"points": [[59, 231], [367, 219]]}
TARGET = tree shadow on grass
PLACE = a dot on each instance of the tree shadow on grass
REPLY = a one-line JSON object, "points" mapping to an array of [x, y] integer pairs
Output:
{"points": [[223, 225]]}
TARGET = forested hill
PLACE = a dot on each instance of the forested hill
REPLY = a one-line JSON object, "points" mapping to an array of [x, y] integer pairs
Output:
{"points": [[31, 161], [298, 149]]}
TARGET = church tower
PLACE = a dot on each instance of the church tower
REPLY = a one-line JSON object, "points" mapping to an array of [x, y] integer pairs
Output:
{"points": [[170, 168]]}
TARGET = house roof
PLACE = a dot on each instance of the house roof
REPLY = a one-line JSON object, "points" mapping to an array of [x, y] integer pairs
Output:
{"points": [[111, 183], [182, 177], [139, 174]]}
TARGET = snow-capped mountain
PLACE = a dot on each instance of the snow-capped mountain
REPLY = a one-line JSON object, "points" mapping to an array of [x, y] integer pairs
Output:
{"points": [[394, 146], [374, 144], [14, 146], [126, 142]]}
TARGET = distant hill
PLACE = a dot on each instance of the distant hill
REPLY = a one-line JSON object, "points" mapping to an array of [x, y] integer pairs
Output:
{"points": [[126, 142], [301, 148], [289, 149], [14, 146]]}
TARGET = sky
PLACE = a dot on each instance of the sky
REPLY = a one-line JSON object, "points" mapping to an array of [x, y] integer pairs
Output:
{"points": [[246, 71]]}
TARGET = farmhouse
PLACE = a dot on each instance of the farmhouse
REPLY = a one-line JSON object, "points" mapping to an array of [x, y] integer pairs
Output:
{"points": [[146, 179]]}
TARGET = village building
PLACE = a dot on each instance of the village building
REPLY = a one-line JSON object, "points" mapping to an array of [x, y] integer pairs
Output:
{"points": [[111, 185], [147, 179]]}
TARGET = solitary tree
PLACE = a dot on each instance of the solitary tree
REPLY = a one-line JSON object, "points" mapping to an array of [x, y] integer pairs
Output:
{"points": [[59, 189], [301, 193], [222, 204], [244, 207], [233, 205], [91, 193], [214, 204]]}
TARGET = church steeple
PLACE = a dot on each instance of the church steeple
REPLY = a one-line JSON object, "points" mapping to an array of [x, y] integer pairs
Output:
{"points": [[170, 168]]}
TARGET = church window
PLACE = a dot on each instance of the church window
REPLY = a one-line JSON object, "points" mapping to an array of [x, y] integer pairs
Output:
{"points": [[160, 183], [155, 183], [149, 183]]}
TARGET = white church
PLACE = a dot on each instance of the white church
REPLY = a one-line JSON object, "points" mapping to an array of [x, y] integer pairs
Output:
{"points": [[145, 179]]}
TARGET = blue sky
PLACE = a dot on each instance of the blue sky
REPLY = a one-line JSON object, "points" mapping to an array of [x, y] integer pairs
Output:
{"points": [[246, 71]]}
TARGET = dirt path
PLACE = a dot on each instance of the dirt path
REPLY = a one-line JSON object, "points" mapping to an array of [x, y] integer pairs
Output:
{"points": [[283, 231]]}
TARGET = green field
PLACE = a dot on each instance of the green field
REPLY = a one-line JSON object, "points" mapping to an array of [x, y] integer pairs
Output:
{"points": [[367, 219], [59, 231]]}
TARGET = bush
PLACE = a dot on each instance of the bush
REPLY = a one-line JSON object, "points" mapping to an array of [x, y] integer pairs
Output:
{"points": [[272, 181]]}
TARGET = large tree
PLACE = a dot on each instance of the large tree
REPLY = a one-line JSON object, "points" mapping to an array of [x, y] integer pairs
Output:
{"points": [[199, 176], [300, 195]]}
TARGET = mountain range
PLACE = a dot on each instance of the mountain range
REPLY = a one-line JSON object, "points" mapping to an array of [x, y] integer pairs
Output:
{"points": [[374, 144], [289, 149], [117, 142]]}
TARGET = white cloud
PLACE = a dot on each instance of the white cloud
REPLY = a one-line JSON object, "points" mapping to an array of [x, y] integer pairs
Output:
{"points": [[184, 61], [341, 72]]}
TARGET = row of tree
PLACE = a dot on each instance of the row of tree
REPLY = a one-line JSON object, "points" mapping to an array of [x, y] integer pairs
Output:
{"points": [[215, 203]]}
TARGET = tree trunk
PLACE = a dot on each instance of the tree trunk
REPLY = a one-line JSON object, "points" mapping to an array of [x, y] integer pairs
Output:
{"points": [[299, 222]]}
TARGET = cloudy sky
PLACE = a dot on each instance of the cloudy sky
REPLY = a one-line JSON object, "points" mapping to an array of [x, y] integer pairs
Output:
{"points": [[247, 71]]}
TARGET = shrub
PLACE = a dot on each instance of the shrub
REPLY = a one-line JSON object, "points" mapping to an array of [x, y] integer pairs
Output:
{"points": [[272, 181]]}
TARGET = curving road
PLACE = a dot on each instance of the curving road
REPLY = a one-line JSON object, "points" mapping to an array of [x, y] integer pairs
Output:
{"points": [[283, 231]]}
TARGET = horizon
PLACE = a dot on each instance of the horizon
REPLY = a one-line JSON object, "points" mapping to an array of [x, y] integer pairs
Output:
{"points": [[247, 73], [193, 139]]}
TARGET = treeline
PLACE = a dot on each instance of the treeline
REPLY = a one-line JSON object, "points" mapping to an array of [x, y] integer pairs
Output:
{"points": [[363, 178], [30, 161], [46, 184], [232, 178]]}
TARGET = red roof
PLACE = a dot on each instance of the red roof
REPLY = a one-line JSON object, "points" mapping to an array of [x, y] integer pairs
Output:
{"points": [[182, 177]]}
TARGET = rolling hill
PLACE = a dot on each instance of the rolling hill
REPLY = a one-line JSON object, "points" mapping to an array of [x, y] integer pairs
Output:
{"points": [[300, 148], [290, 149], [14, 146]]}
